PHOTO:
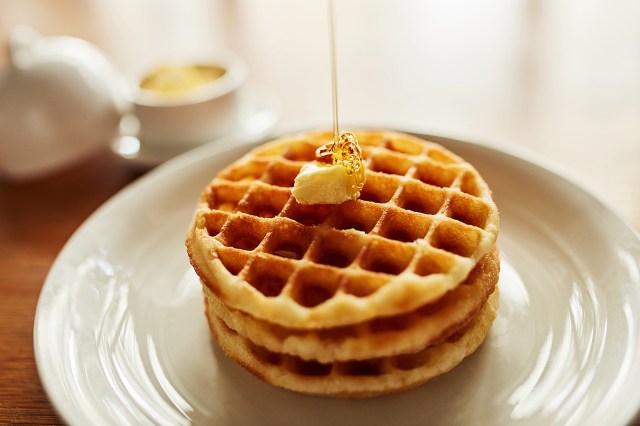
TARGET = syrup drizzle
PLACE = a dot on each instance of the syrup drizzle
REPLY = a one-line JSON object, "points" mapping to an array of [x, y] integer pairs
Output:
{"points": [[347, 153], [344, 148], [334, 76]]}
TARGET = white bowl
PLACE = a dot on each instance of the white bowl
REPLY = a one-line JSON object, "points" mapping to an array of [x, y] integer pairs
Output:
{"points": [[195, 116]]}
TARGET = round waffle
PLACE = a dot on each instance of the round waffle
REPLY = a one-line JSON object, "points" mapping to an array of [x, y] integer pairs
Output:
{"points": [[355, 379], [424, 219], [383, 336]]}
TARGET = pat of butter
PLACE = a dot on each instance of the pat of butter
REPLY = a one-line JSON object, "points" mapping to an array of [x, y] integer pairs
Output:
{"points": [[317, 184]]}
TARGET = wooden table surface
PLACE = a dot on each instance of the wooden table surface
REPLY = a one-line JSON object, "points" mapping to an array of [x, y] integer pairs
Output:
{"points": [[558, 78]]}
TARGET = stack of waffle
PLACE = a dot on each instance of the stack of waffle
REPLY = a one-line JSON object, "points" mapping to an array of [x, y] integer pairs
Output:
{"points": [[364, 298]]}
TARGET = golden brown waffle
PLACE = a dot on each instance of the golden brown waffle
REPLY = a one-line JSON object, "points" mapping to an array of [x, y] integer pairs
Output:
{"points": [[424, 219], [383, 336], [355, 379]]}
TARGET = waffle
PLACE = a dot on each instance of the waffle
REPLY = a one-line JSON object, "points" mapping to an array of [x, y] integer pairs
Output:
{"points": [[370, 296], [355, 379], [424, 219], [385, 336]]}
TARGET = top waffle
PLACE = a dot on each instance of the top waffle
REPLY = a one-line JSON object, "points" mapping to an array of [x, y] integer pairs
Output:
{"points": [[424, 219]]}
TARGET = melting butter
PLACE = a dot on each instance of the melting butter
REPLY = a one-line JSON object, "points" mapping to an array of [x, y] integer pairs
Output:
{"points": [[336, 176], [318, 184]]}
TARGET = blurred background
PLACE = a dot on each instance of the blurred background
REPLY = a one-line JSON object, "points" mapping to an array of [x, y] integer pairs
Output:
{"points": [[559, 79]]}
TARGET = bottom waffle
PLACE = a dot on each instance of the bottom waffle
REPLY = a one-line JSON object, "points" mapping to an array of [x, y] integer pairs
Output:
{"points": [[355, 379]]}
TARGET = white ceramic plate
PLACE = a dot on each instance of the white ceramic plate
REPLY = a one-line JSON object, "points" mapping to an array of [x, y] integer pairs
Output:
{"points": [[120, 335]]}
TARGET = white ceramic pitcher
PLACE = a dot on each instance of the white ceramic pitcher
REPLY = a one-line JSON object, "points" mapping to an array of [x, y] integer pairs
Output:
{"points": [[60, 100]]}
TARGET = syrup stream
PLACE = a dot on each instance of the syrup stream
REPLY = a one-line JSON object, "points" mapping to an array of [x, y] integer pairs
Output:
{"points": [[334, 77]]}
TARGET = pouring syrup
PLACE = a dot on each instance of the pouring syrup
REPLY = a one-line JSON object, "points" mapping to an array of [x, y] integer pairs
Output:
{"points": [[344, 149]]}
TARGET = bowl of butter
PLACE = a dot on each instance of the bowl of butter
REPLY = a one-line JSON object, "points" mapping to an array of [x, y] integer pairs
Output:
{"points": [[188, 102]]}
